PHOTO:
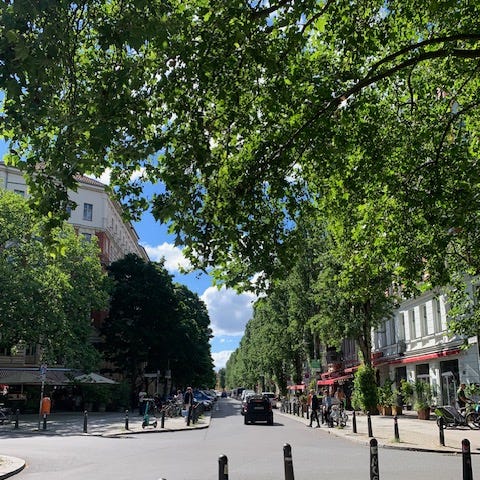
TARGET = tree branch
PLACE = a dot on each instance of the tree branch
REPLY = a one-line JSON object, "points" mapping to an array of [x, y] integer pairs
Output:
{"points": [[432, 41], [367, 81], [318, 15]]}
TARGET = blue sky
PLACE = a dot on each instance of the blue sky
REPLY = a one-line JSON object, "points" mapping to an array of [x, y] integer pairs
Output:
{"points": [[228, 311]]}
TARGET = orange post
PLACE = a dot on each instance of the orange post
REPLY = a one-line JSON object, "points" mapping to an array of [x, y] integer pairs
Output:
{"points": [[46, 405]]}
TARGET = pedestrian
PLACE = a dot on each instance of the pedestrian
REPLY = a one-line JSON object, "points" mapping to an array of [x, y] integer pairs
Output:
{"points": [[179, 398], [327, 408], [141, 403], [340, 396], [187, 402], [462, 398], [314, 405]]}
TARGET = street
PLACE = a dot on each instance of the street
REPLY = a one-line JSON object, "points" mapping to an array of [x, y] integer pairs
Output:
{"points": [[253, 452]]}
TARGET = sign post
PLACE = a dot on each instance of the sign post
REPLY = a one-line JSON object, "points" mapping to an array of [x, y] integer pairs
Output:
{"points": [[43, 375]]}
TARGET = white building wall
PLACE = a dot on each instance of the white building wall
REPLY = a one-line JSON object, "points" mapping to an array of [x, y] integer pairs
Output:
{"points": [[120, 238], [424, 340]]}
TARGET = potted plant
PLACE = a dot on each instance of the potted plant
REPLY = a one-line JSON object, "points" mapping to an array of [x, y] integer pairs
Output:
{"points": [[406, 393], [96, 395], [386, 397], [423, 399]]}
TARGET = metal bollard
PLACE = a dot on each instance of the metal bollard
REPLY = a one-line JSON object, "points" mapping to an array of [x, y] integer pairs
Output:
{"points": [[288, 462], [44, 421], [162, 419], [85, 421], [126, 420], [17, 414], [374, 474], [354, 421], [441, 433], [395, 429], [369, 424], [467, 460], [223, 467]]}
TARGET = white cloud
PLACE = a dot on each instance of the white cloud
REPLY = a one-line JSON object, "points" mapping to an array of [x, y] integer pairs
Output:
{"points": [[173, 255], [229, 311], [220, 358], [105, 178]]}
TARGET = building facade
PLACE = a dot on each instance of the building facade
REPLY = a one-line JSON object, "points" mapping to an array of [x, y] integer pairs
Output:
{"points": [[96, 214], [415, 344]]}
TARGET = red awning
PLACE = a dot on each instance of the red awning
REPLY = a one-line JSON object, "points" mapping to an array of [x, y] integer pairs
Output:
{"points": [[331, 381], [427, 356]]}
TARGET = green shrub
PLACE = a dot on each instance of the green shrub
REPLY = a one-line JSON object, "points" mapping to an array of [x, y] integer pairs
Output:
{"points": [[365, 393]]}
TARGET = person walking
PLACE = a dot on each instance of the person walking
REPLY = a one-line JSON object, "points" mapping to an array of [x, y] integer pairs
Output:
{"points": [[327, 408], [188, 402], [314, 405]]}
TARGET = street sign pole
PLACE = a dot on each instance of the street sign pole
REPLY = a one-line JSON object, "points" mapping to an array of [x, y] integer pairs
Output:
{"points": [[43, 374]]}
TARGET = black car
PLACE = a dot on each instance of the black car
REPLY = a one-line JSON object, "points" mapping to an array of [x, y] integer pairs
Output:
{"points": [[258, 409]]}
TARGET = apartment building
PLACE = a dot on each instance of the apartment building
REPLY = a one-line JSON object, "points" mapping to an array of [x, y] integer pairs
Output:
{"points": [[96, 214], [416, 344]]}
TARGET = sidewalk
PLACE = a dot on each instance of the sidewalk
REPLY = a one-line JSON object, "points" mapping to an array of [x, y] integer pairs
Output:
{"points": [[98, 424], [414, 434]]}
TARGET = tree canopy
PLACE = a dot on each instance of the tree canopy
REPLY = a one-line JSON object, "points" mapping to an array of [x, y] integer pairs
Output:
{"points": [[47, 295], [359, 116], [153, 325]]}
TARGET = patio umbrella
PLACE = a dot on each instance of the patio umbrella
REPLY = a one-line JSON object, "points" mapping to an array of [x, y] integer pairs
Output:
{"points": [[94, 378]]}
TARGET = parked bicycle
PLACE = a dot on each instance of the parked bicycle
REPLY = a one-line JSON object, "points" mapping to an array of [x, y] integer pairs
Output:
{"points": [[171, 409], [6, 415], [338, 415]]}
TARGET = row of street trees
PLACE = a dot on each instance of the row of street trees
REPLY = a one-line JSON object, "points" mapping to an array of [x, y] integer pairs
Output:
{"points": [[49, 291], [269, 124]]}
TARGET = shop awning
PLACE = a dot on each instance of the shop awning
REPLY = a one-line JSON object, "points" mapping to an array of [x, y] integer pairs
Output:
{"points": [[94, 378], [331, 381], [33, 377], [425, 357], [296, 387]]}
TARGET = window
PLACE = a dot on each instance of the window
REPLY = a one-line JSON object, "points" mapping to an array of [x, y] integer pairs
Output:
{"points": [[391, 332], [87, 236], [412, 324], [439, 322], [401, 326], [20, 192], [87, 211], [424, 320]]}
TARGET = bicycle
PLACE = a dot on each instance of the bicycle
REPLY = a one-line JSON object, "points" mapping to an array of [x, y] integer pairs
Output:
{"points": [[338, 415], [172, 409], [6, 415], [451, 417]]}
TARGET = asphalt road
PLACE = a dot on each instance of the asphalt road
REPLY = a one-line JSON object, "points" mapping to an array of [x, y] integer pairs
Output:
{"points": [[254, 452]]}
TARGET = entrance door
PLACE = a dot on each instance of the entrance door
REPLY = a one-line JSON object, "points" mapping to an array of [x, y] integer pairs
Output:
{"points": [[449, 373]]}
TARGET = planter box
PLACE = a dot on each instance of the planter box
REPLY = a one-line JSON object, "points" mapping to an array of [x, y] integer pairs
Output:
{"points": [[423, 414], [384, 410]]}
